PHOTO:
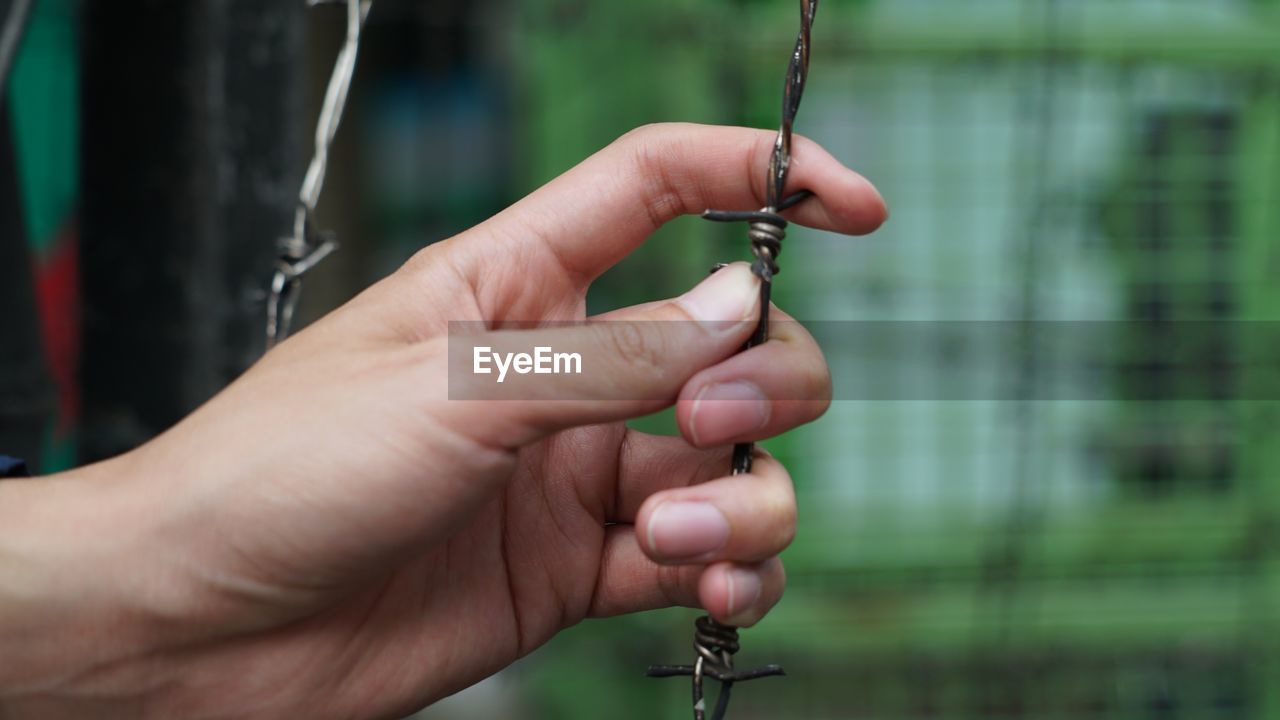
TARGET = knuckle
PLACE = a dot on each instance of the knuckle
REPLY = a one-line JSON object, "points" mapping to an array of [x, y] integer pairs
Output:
{"points": [[654, 133], [654, 152], [640, 134]]}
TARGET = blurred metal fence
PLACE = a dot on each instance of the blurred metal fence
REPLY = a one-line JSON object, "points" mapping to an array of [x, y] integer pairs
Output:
{"points": [[1045, 161]]}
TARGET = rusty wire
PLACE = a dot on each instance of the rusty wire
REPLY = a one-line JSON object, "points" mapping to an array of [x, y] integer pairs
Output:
{"points": [[714, 642], [306, 247]]}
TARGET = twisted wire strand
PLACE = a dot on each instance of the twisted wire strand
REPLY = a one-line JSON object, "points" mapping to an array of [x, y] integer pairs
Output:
{"points": [[793, 91], [335, 103], [716, 643], [767, 228], [305, 248]]}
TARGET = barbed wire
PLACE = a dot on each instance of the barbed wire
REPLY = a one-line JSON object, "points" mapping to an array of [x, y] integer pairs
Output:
{"points": [[716, 643], [306, 247]]}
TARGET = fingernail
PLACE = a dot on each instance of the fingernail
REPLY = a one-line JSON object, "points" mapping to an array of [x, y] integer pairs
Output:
{"points": [[745, 587], [686, 530], [724, 411], [724, 299]]}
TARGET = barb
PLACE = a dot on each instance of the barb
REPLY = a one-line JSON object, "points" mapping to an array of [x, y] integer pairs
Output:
{"points": [[767, 227], [306, 247], [715, 642], [715, 645]]}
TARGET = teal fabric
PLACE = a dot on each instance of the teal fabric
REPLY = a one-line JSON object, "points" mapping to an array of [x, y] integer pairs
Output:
{"points": [[44, 109]]}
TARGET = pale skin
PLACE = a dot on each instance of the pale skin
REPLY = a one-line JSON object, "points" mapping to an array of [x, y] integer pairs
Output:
{"points": [[332, 537]]}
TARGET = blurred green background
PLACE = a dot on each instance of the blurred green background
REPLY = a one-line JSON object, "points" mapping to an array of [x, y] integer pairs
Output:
{"points": [[1043, 160], [1049, 160]]}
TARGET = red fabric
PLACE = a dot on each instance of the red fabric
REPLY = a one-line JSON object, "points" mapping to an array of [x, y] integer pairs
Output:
{"points": [[57, 280]]}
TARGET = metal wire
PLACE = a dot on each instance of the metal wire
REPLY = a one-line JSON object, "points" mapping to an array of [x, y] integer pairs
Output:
{"points": [[305, 248], [715, 642], [15, 28], [715, 645], [1007, 558]]}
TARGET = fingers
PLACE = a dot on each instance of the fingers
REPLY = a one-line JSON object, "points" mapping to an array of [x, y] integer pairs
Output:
{"points": [[743, 518], [757, 394], [760, 393], [737, 594], [631, 366], [741, 595], [712, 545], [597, 213], [649, 464]]}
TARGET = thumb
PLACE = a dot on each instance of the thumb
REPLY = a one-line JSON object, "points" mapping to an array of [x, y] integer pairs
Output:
{"points": [[510, 387]]}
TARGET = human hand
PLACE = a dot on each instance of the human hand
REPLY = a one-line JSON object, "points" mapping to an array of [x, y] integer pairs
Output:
{"points": [[332, 536]]}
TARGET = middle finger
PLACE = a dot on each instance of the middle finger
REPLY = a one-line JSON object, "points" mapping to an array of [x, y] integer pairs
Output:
{"points": [[759, 393]]}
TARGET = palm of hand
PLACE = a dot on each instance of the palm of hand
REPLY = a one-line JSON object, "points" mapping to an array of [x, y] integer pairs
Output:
{"points": [[526, 565]]}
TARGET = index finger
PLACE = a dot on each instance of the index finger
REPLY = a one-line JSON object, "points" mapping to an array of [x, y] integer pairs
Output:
{"points": [[595, 214]]}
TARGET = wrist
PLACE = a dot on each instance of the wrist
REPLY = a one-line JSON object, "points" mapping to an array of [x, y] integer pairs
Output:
{"points": [[67, 607]]}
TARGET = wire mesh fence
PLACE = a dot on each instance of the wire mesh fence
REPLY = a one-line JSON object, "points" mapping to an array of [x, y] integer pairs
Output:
{"points": [[1103, 554]]}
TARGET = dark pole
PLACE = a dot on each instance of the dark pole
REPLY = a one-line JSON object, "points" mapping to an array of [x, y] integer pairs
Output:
{"points": [[27, 401], [192, 154]]}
